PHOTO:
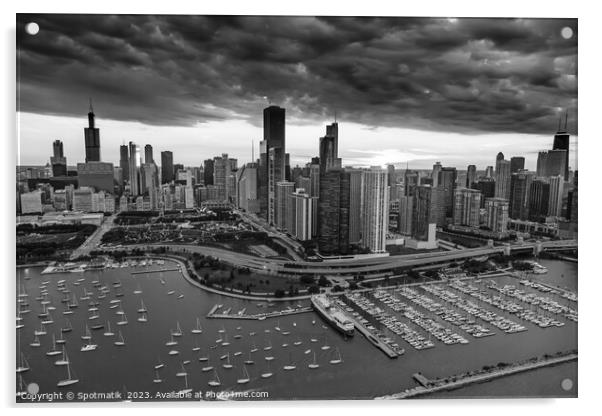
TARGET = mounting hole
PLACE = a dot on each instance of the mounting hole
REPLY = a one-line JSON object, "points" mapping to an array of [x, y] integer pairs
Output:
{"points": [[32, 28], [566, 32], [567, 384]]}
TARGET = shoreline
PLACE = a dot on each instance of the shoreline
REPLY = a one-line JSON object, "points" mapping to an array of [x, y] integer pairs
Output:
{"points": [[477, 378]]}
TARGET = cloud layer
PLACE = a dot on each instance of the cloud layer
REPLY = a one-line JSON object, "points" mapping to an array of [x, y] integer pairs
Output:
{"points": [[462, 75]]}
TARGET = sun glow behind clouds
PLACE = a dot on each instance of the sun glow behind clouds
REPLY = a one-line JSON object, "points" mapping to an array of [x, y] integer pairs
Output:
{"points": [[359, 145]]}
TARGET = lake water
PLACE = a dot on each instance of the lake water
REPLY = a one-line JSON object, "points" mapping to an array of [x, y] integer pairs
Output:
{"points": [[364, 373]]}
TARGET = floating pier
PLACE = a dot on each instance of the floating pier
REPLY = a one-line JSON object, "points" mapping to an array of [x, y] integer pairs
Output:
{"points": [[214, 314], [172, 269]]}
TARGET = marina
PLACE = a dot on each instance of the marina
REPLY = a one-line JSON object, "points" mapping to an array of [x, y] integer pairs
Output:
{"points": [[409, 323]]}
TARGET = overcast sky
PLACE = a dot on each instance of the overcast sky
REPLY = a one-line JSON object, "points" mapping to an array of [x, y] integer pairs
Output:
{"points": [[405, 90]]}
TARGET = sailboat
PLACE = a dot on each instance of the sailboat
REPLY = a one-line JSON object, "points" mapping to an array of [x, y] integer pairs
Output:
{"points": [[68, 311], [237, 353], [174, 352], [254, 349], [108, 332], [53, 351], [298, 342], [183, 372], [197, 329], [267, 373], [120, 342], [159, 364], [314, 364], [73, 303], [138, 290], [142, 308], [277, 327], [225, 343], [61, 340], [186, 389], [268, 347], [64, 360], [249, 361], [245, 377], [227, 363], [68, 328], [215, 382], [124, 320], [143, 318], [69, 380], [325, 346], [172, 342], [178, 331], [206, 368], [222, 330], [157, 379], [87, 334], [291, 365], [204, 358], [35, 342], [338, 358], [24, 366], [42, 330]]}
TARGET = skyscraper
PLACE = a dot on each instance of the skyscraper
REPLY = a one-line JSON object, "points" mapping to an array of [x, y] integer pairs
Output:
{"points": [[374, 209], [562, 142], [275, 154], [411, 180], [447, 181], [467, 204], [471, 175], [404, 222], [496, 214], [539, 199], [148, 154], [92, 138], [519, 194], [427, 209], [167, 168], [333, 131], [208, 167], [303, 216], [502, 177], [58, 161], [556, 192], [247, 188], [284, 206], [328, 156], [355, 205], [333, 212], [221, 173], [489, 172], [124, 163], [517, 163], [134, 169], [435, 174], [551, 163], [392, 180]]}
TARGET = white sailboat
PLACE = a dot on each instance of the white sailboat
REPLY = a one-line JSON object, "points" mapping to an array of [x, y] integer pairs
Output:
{"points": [[254, 349], [157, 379], [291, 365], [227, 364], [61, 340], [178, 331], [87, 334], [53, 351], [314, 364], [268, 347], [69, 380], [35, 342], [142, 308], [159, 364], [298, 342], [64, 360], [138, 290], [197, 329], [183, 372], [325, 346], [172, 342], [250, 360], [215, 382], [143, 318], [204, 358], [186, 390], [108, 332], [24, 365], [42, 330], [67, 328], [89, 346], [267, 373], [124, 320], [120, 342], [245, 377], [338, 359], [225, 343]]}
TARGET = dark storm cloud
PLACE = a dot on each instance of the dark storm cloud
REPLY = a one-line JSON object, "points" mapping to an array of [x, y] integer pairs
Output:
{"points": [[465, 75]]}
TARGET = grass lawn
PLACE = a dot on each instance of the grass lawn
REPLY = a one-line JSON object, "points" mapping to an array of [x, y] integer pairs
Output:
{"points": [[260, 283]]}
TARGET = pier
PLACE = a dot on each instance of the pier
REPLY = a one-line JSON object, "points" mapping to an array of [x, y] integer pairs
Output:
{"points": [[375, 341], [213, 314], [171, 269]]}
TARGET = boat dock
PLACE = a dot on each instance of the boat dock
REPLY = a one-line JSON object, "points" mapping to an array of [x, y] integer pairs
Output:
{"points": [[171, 269], [374, 340], [214, 314]]}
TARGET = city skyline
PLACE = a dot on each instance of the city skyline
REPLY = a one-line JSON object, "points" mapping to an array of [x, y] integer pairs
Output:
{"points": [[503, 56]]}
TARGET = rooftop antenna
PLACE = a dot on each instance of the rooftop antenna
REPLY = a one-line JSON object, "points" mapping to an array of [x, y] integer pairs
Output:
{"points": [[91, 110], [559, 122], [335, 115], [566, 117], [252, 150]]}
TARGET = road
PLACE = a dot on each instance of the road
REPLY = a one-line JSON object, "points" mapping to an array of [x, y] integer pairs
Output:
{"points": [[348, 267], [94, 240]]}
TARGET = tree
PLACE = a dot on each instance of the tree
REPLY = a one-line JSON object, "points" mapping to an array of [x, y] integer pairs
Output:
{"points": [[337, 288], [307, 279], [323, 281], [279, 293], [313, 289]]}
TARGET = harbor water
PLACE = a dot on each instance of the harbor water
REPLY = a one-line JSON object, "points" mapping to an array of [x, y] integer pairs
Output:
{"points": [[364, 372]]}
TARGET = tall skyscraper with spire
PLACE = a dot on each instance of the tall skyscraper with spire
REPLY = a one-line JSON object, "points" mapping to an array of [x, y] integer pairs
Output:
{"points": [[92, 138]]}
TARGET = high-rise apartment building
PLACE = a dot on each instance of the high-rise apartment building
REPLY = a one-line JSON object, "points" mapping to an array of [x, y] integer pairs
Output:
{"points": [[333, 212], [284, 206], [471, 175], [355, 205], [539, 199], [496, 214], [167, 168], [124, 163], [519, 194], [517, 163], [374, 209], [502, 177], [467, 205]]}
